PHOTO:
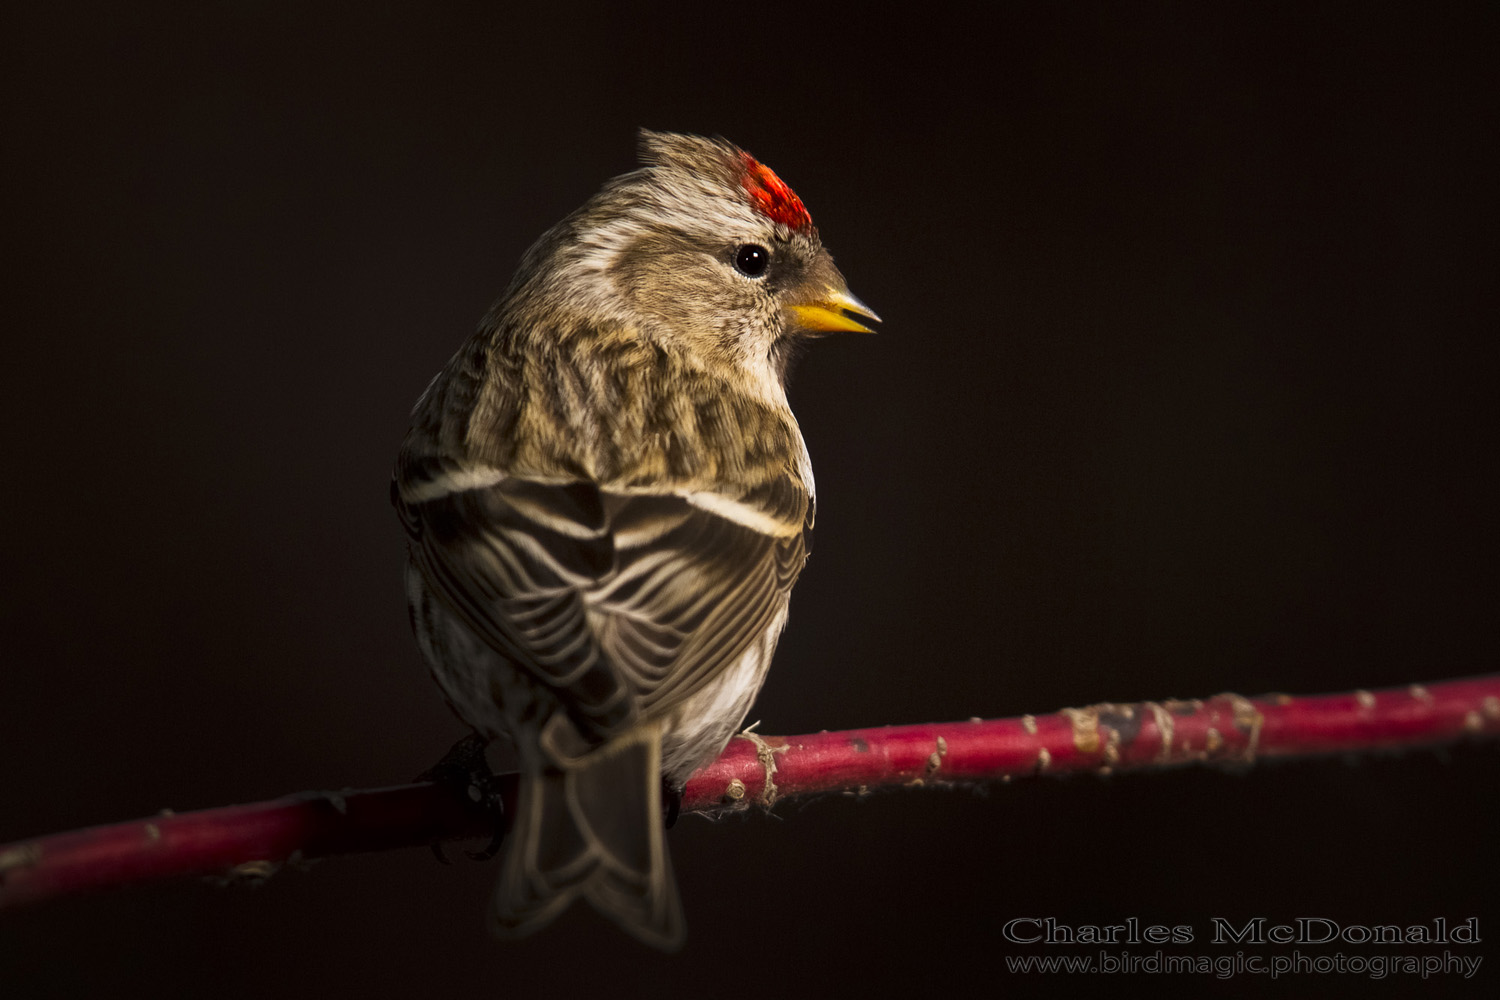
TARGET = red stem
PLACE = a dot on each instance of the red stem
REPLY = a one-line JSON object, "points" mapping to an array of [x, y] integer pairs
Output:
{"points": [[252, 840]]}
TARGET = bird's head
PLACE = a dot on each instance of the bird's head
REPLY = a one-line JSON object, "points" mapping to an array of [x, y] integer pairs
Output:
{"points": [[704, 249]]}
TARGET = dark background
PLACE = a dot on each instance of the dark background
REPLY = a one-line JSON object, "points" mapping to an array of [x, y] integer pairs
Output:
{"points": [[1187, 384]]}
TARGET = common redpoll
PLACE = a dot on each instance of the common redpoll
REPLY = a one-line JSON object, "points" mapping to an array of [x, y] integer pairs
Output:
{"points": [[608, 499]]}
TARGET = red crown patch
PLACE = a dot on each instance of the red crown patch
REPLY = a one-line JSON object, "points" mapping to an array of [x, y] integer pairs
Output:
{"points": [[772, 197]]}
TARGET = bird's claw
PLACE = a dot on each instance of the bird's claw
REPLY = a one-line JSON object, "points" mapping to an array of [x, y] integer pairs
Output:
{"points": [[466, 773], [671, 801]]}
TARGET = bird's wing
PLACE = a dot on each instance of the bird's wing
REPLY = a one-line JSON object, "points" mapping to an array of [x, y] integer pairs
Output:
{"points": [[625, 603]]}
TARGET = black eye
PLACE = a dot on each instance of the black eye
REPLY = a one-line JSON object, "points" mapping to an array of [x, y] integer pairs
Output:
{"points": [[752, 259]]}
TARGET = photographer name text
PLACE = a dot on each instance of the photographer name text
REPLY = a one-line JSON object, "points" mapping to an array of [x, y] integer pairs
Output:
{"points": [[1254, 930]]}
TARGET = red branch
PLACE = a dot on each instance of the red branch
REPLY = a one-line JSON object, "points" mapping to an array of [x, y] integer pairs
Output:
{"points": [[253, 840]]}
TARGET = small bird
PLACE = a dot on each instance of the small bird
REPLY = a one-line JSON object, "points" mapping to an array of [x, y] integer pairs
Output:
{"points": [[607, 501]]}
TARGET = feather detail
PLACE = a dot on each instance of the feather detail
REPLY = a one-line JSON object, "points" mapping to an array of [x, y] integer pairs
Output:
{"points": [[592, 829], [619, 603]]}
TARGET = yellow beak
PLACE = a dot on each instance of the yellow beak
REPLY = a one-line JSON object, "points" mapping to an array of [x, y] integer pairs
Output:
{"points": [[826, 314]]}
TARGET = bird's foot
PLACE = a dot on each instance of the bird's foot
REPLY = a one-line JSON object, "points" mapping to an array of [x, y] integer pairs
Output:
{"points": [[466, 773]]}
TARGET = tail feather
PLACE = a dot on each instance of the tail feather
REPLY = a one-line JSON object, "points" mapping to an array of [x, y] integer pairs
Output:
{"points": [[592, 828]]}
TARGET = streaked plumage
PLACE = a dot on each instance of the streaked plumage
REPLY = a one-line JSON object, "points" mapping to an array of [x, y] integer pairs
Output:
{"points": [[607, 502]]}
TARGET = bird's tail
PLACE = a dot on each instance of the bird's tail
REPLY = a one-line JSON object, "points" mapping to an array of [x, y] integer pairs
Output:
{"points": [[592, 827]]}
